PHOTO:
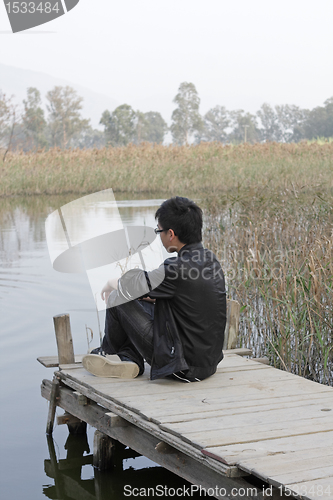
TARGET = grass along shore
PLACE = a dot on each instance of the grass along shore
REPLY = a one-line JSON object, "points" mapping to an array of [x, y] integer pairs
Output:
{"points": [[268, 217], [207, 168]]}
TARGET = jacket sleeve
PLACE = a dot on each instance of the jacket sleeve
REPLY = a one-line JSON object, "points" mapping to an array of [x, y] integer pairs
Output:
{"points": [[156, 284], [162, 281]]}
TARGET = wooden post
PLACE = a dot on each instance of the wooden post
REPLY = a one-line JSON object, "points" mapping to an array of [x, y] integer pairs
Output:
{"points": [[103, 451], [232, 326], [63, 334], [53, 405]]}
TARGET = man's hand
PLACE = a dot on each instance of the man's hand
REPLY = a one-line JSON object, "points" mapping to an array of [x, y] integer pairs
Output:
{"points": [[148, 299], [111, 284]]}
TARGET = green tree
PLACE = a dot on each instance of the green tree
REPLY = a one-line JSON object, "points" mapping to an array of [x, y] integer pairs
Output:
{"points": [[270, 126], [186, 119], [33, 120], [64, 119], [119, 126], [244, 127], [89, 138], [8, 122], [216, 121], [291, 122], [150, 127], [319, 121], [5, 115]]}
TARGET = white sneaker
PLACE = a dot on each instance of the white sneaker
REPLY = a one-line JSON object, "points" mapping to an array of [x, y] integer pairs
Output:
{"points": [[109, 365]]}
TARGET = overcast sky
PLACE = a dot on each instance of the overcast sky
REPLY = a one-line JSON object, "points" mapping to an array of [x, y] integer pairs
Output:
{"points": [[238, 53]]}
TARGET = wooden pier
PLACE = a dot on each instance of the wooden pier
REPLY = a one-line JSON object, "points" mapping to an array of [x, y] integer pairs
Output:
{"points": [[246, 423]]}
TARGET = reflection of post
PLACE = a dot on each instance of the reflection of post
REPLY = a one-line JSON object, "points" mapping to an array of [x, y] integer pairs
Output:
{"points": [[54, 468]]}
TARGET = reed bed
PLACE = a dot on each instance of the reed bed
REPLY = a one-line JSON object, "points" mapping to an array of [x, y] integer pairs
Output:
{"points": [[268, 217], [205, 168], [277, 253]]}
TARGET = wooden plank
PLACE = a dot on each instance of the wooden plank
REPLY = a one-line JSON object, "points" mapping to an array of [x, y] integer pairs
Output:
{"points": [[240, 351], [246, 434], [232, 324], [302, 476], [53, 361], [64, 339], [67, 418], [261, 379], [235, 454], [116, 421], [176, 413], [270, 465], [197, 403], [295, 416]]}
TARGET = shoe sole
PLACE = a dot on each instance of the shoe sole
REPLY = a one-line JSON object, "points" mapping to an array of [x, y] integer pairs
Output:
{"points": [[107, 367]]}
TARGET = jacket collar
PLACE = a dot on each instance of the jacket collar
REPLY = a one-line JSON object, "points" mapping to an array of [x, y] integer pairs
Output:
{"points": [[189, 247]]}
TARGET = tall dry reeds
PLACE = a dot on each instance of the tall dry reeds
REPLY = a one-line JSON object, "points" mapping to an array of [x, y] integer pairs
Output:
{"points": [[277, 253], [207, 168]]}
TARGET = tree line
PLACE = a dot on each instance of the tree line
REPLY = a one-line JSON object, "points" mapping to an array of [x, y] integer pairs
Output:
{"points": [[28, 127]]}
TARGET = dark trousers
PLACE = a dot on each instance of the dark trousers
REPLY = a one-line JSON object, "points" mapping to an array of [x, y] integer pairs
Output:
{"points": [[129, 331]]}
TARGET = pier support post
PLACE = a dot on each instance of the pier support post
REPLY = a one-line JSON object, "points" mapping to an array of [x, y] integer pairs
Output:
{"points": [[103, 451], [53, 405], [63, 334]]}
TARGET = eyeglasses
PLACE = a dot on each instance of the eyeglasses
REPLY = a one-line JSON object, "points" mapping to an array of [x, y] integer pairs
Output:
{"points": [[157, 231]]}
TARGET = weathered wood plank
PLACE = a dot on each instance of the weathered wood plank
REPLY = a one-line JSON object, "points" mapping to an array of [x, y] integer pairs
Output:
{"points": [[176, 413], [116, 421], [53, 361], [295, 416], [67, 418], [304, 475], [235, 454], [232, 325], [245, 434], [271, 465], [197, 404], [265, 380], [64, 339]]}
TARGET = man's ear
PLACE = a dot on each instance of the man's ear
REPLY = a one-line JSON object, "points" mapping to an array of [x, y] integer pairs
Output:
{"points": [[172, 234]]}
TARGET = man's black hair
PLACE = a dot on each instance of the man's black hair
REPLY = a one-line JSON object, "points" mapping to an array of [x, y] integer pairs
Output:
{"points": [[183, 216]]}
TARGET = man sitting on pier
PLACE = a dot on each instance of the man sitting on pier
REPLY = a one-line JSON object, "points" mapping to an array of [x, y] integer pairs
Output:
{"points": [[178, 326]]}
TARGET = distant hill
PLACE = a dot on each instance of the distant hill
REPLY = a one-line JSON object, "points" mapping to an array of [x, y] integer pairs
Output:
{"points": [[15, 81]]}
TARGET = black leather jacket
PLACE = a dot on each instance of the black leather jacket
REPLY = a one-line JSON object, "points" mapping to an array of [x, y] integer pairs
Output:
{"points": [[190, 312]]}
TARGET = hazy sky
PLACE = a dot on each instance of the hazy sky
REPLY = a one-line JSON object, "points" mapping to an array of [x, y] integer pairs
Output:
{"points": [[238, 53]]}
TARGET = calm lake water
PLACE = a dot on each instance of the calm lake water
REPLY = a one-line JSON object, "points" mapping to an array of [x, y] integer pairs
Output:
{"points": [[31, 293]]}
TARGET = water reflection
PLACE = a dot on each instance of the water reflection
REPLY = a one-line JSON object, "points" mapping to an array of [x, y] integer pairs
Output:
{"points": [[72, 480]]}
